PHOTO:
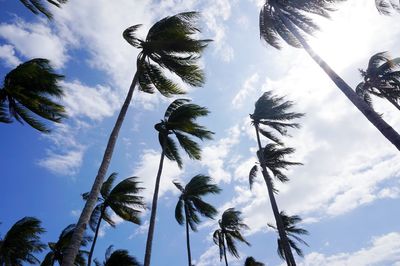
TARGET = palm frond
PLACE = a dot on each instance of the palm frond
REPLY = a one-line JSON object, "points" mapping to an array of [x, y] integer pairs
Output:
{"points": [[130, 35], [107, 185], [252, 175], [179, 212]]}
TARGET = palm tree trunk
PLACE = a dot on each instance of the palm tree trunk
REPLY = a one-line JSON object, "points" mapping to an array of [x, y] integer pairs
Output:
{"points": [[150, 234], [73, 248], [279, 224], [96, 233], [187, 236], [226, 260], [364, 108]]}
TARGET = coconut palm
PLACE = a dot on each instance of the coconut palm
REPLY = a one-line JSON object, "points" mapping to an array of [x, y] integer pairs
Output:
{"points": [[120, 257], [229, 231], [250, 261], [272, 116], [190, 203], [37, 6], [381, 79], [386, 7], [293, 232], [57, 249], [28, 94], [290, 21], [123, 199], [21, 242], [179, 121], [170, 45]]}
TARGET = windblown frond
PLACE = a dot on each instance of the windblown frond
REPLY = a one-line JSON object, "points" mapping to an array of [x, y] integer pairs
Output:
{"points": [[37, 7]]}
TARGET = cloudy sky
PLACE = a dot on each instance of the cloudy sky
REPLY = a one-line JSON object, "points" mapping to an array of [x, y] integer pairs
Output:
{"points": [[347, 191]]}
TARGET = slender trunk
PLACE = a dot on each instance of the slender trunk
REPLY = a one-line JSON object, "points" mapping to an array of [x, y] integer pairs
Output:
{"points": [[279, 224], [187, 236], [150, 234], [73, 248], [96, 233], [364, 108], [226, 260]]}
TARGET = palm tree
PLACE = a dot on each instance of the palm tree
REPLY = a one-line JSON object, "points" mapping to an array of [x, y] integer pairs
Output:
{"points": [[293, 232], [273, 112], [37, 7], [386, 7], [190, 203], [381, 79], [123, 199], [57, 249], [229, 230], [179, 120], [120, 257], [289, 20], [250, 261], [21, 242], [169, 45], [27, 95]]}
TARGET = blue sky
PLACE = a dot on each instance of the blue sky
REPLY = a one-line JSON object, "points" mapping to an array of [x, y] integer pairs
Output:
{"points": [[347, 192]]}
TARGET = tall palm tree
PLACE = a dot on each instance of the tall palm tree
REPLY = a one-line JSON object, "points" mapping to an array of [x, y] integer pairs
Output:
{"points": [[28, 94], [290, 21], [386, 7], [123, 199], [250, 261], [37, 7], [190, 203], [170, 45], [293, 232], [381, 79], [57, 249], [21, 242], [179, 121], [230, 226], [119, 257], [273, 113]]}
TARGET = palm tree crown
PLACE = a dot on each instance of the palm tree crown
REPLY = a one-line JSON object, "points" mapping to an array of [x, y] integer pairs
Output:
{"points": [[21, 242], [179, 120], [229, 231], [37, 7], [250, 261], [119, 257], [28, 94], [386, 7], [381, 78], [57, 249], [169, 45], [276, 13], [293, 232]]}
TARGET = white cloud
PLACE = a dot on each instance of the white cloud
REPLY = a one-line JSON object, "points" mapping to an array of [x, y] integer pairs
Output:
{"points": [[35, 40], [65, 163], [249, 88], [384, 250], [147, 169], [7, 53]]}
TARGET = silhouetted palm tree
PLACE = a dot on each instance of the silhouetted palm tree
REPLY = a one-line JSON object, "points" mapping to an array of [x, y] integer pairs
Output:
{"points": [[28, 94], [190, 203], [57, 249], [37, 6], [386, 7], [179, 121], [250, 261], [272, 112], [21, 242], [170, 45], [290, 21], [293, 232], [120, 257], [382, 79], [230, 226], [123, 199]]}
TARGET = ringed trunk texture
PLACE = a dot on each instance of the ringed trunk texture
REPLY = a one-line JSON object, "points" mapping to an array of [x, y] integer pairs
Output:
{"points": [[386, 130], [73, 247], [279, 224], [150, 234], [187, 236], [95, 237]]}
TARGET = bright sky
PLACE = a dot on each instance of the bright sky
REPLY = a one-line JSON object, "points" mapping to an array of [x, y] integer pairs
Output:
{"points": [[347, 192]]}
